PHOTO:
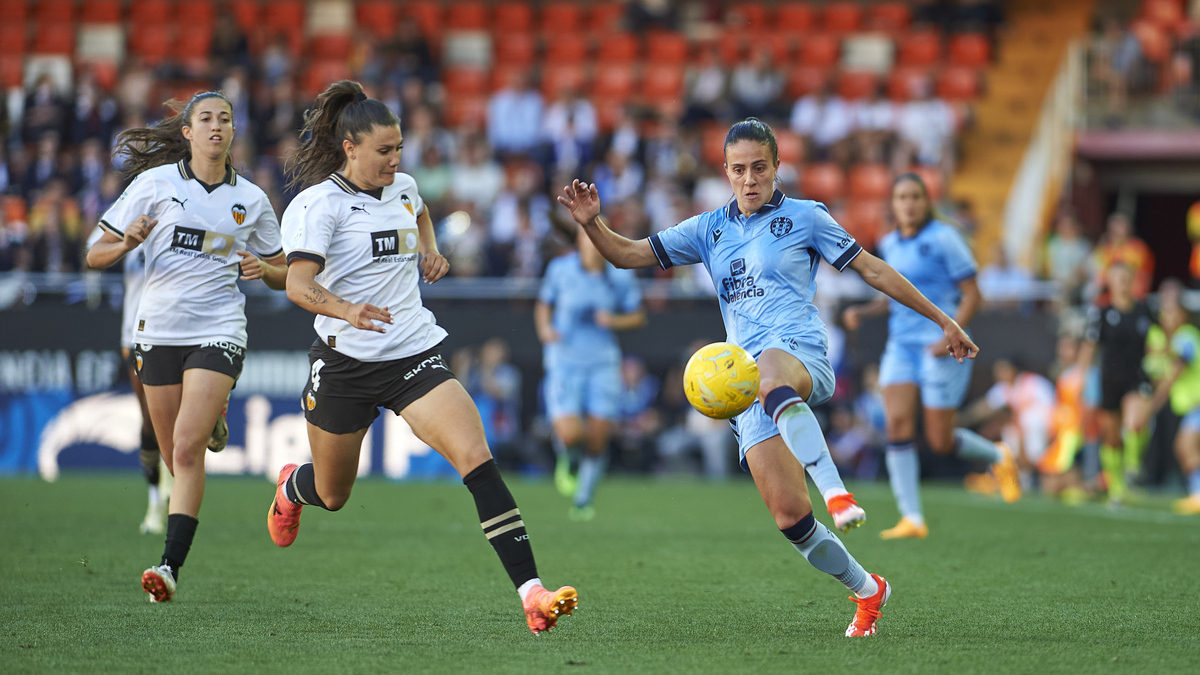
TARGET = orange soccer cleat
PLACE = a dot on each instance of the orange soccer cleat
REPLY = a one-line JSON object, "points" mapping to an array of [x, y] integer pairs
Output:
{"points": [[846, 512], [1008, 475], [906, 529], [543, 608], [159, 582], [869, 610], [283, 518], [1188, 506]]}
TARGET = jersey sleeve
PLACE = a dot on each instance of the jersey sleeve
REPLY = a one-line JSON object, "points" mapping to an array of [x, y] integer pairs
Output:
{"points": [[265, 238], [960, 263], [680, 244], [307, 228], [548, 293], [141, 197], [831, 240], [629, 294]]}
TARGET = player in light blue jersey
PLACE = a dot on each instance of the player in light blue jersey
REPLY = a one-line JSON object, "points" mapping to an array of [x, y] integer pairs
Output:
{"points": [[582, 302], [933, 255], [762, 252]]}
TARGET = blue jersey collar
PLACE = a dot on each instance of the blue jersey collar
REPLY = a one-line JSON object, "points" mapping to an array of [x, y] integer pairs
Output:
{"points": [[732, 209]]}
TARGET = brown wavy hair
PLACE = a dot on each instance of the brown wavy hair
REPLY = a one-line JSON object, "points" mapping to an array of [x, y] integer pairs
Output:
{"points": [[342, 112], [147, 147]]}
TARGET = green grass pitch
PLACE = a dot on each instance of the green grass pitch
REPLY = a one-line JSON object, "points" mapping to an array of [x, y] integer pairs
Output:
{"points": [[674, 577]]}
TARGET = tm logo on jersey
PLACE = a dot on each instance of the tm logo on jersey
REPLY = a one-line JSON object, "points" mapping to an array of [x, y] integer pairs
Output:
{"points": [[201, 243], [393, 246]]}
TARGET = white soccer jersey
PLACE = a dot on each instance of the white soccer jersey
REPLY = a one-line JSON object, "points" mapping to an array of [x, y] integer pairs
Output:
{"points": [[366, 245], [191, 295], [135, 278]]}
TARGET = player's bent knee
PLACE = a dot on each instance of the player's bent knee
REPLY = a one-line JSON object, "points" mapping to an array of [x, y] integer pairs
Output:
{"points": [[789, 513], [335, 502]]}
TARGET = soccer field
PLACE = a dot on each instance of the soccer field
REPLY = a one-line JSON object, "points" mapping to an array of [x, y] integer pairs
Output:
{"points": [[675, 576]]}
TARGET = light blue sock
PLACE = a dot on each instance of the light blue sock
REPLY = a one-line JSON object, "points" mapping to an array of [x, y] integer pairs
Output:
{"points": [[904, 473], [970, 445], [1193, 482], [826, 476], [825, 551], [591, 470], [803, 436]]}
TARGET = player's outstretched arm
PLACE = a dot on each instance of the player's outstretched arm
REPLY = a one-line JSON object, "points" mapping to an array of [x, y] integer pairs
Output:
{"points": [[882, 277], [111, 248], [303, 289], [583, 201]]}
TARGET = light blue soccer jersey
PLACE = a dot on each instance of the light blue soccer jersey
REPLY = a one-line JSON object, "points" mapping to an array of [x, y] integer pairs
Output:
{"points": [[763, 266], [935, 260], [576, 295]]}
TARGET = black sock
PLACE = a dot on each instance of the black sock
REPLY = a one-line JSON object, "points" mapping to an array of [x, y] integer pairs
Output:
{"points": [[149, 455], [501, 521], [181, 529], [301, 488]]}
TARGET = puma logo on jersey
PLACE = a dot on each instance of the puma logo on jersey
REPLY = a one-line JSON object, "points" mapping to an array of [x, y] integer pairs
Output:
{"points": [[176, 200], [360, 208]]}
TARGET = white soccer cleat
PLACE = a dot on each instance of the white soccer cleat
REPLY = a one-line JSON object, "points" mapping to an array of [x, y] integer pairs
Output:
{"points": [[846, 512], [159, 582]]}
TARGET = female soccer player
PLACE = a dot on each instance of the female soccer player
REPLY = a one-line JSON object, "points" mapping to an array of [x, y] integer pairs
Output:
{"points": [[357, 239], [584, 299], [1179, 383], [762, 252], [194, 217], [915, 361], [1120, 331]]}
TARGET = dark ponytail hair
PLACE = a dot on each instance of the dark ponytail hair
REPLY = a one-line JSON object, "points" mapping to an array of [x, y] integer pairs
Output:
{"points": [[163, 143], [930, 214], [342, 112], [753, 129]]}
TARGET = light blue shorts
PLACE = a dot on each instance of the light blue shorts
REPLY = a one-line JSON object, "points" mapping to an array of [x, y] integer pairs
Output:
{"points": [[942, 379], [579, 391], [1190, 421], [754, 426]]}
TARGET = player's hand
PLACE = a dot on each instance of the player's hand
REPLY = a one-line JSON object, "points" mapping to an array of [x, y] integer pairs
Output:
{"points": [[582, 200], [956, 343], [363, 316], [250, 265], [137, 231], [433, 266], [851, 318], [603, 318], [548, 336]]}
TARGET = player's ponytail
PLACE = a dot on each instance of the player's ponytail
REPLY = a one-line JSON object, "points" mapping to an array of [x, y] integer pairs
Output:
{"points": [[147, 147], [342, 112], [753, 129]]}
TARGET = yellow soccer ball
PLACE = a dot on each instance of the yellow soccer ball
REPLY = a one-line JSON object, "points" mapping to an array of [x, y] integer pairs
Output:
{"points": [[721, 380]]}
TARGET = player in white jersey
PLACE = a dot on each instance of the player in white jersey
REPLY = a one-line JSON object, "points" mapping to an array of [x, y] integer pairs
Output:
{"points": [[761, 251], [194, 218], [358, 239]]}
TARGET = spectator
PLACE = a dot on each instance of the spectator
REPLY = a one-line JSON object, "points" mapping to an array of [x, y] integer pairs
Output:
{"points": [[1115, 54], [421, 132], [925, 127], [851, 445], [618, 178], [230, 49], [706, 88], [409, 57], [1120, 246], [44, 167], [640, 420], [514, 118], [275, 64], [478, 179], [435, 177], [55, 241], [95, 112], [45, 111], [1066, 259], [570, 129], [1001, 282], [824, 121], [521, 200], [495, 384], [874, 127], [12, 234], [756, 86]]}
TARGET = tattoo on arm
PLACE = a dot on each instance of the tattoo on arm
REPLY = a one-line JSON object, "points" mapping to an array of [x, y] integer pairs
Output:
{"points": [[314, 295]]}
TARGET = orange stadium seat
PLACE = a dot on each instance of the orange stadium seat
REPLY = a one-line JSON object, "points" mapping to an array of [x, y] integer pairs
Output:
{"points": [[712, 142], [857, 85], [606, 16], [557, 77], [616, 81], [823, 182], [153, 45], [958, 83], [467, 16], [820, 50], [512, 16], [731, 47], [54, 38], [504, 75], [14, 11], [515, 49], [13, 38], [427, 14], [806, 80], [932, 178], [891, 17], [779, 44], [195, 13], [321, 73], [751, 16], [795, 17], [329, 46], [379, 17], [667, 48], [99, 11], [12, 71], [865, 221], [54, 11], [905, 82], [922, 48], [619, 48], [970, 49], [567, 48], [791, 147], [245, 14], [194, 44], [465, 81], [561, 17], [662, 81], [284, 16], [843, 17], [870, 181], [149, 12], [607, 112], [466, 111], [1167, 14]]}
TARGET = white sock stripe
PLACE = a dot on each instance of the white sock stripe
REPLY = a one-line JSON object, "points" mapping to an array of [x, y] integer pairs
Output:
{"points": [[784, 406], [501, 530], [500, 518], [808, 536], [295, 487]]}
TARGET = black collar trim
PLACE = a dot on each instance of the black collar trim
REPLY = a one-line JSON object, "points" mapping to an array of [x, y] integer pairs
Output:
{"points": [[185, 170], [350, 188], [776, 200]]}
